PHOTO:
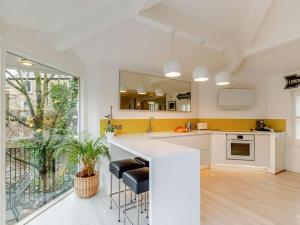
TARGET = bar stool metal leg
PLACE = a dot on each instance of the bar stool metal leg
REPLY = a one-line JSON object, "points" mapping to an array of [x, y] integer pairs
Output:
{"points": [[119, 220], [138, 210], [142, 199], [147, 206], [145, 209], [111, 180], [125, 205]]}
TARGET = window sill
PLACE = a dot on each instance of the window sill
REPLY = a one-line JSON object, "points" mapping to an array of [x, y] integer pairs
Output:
{"points": [[45, 207]]}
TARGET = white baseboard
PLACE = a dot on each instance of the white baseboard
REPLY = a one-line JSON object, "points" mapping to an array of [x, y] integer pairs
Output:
{"points": [[271, 170], [295, 169], [204, 167], [239, 167]]}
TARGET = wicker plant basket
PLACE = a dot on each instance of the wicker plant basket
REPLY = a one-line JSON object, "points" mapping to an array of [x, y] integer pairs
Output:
{"points": [[86, 187]]}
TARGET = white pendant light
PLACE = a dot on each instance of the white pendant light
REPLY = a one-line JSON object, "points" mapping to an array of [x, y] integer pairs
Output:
{"points": [[141, 90], [123, 88], [201, 73], [222, 78], [159, 92], [172, 67]]}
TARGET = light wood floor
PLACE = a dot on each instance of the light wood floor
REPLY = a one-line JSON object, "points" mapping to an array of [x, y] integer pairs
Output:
{"points": [[248, 198]]}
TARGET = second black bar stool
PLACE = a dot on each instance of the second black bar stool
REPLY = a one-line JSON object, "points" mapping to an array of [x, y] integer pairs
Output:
{"points": [[138, 181]]}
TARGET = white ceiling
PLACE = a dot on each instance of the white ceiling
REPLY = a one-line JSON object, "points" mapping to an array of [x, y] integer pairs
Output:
{"points": [[138, 46], [224, 18], [136, 33], [49, 16]]}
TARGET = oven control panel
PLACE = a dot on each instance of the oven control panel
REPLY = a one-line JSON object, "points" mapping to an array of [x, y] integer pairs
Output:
{"points": [[246, 137]]}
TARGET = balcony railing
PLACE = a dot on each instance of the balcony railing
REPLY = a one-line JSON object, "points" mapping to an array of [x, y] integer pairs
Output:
{"points": [[42, 187]]}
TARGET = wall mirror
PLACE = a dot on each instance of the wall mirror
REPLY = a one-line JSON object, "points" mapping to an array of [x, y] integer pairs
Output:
{"points": [[140, 91]]}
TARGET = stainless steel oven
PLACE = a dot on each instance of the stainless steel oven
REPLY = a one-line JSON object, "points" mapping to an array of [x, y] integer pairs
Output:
{"points": [[240, 147]]}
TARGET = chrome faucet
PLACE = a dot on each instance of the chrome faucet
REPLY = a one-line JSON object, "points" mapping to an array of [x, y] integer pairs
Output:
{"points": [[150, 128], [189, 126]]}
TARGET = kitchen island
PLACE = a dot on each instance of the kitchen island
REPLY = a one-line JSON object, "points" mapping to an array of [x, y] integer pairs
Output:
{"points": [[174, 177]]}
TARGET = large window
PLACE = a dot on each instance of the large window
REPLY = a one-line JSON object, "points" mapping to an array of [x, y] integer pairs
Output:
{"points": [[41, 114]]}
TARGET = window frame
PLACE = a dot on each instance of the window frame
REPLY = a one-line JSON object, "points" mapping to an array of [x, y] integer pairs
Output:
{"points": [[2, 136], [295, 117], [30, 86], [81, 126]]}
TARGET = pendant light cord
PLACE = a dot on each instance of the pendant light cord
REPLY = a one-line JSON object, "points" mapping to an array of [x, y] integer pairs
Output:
{"points": [[172, 44], [201, 49]]}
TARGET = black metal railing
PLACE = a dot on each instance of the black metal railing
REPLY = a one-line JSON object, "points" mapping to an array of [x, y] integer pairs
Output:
{"points": [[43, 187]]}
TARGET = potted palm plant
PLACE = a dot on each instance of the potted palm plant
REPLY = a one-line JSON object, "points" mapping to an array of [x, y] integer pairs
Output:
{"points": [[85, 151]]}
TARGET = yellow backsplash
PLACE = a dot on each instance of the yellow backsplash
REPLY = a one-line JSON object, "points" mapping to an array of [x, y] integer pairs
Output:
{"points": [[243, 124], [142, 125]]}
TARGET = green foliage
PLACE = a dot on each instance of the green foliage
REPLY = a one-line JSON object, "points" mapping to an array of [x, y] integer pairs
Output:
{"points": [[84, 150], [110, 128], [53, 109]]}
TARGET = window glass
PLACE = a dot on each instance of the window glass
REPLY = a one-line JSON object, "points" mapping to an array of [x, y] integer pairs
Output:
{"points": [[42, 112]]}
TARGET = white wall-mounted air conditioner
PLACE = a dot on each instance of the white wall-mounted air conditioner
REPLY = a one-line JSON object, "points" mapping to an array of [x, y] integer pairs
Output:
{"points": [[232, 98]]}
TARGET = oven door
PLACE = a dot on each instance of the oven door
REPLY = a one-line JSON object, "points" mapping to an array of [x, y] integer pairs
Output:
{"points": [[240, 150]]}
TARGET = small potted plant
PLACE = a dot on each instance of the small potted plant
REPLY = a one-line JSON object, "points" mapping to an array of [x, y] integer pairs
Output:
{"points": [[85, 151], [110, 131]]}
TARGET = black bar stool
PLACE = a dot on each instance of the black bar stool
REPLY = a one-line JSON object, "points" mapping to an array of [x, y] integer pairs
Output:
{"points": [[142, 161], [138, 181], [117, 168]]}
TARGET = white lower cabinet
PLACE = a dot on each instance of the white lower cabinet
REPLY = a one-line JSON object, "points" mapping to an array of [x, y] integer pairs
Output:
{"points": [[218, 148], [213, 150], [201, 142], [262, 150]]}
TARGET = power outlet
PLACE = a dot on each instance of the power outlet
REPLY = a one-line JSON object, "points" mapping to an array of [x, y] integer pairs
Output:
{"points": [[118, 127]]}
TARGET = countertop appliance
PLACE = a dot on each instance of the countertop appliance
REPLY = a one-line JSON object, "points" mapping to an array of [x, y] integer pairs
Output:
{"points": [[202, 126], [261, 126], [240, 147]]}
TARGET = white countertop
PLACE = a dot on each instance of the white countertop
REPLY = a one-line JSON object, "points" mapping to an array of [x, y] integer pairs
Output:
{"points": [[148, 147], [203, 132]]}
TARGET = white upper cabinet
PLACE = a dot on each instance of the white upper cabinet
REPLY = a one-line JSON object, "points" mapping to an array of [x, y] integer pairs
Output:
{"points": [[235, 98]]}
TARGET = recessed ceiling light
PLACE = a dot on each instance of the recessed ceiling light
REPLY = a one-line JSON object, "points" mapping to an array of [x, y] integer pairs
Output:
{"points": [[26, 62]]}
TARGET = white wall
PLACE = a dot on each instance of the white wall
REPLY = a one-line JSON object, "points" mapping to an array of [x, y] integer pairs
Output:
{"points": [[280, 105], [271, 101], [102, 90], [208, 93]]}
